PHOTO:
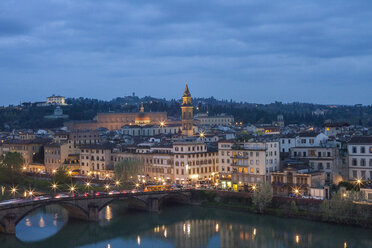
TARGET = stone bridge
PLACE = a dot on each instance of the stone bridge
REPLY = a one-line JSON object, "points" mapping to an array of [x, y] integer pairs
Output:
{"points": [[87, 208]]}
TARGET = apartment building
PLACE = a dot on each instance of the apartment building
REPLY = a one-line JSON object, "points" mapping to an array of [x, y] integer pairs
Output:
{"points": [[194, 161], [57, 155], [360, 158], [97, 160], [247, 163], [29, 149], [326, 158], [307, 139], [293, 180]]}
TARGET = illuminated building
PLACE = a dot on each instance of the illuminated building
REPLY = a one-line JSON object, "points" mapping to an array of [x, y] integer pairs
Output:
{"points": [[187, 114]]}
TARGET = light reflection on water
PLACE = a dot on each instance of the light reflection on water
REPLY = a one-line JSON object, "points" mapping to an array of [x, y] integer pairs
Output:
{"points": [[181, 227], [41, 223]]}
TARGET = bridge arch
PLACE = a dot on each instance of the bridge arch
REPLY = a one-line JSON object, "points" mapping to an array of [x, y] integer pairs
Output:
{"points": [[73, 210], [133, 202], [174, 197]]}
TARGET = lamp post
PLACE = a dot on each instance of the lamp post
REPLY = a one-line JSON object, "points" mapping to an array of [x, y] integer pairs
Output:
{"points": [[72, 189], [54, 188], [13, 190], [107, 187], [117, 183]]}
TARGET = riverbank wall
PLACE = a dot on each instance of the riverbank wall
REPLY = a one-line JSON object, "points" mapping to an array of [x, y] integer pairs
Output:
{"points": [[288, 207]]}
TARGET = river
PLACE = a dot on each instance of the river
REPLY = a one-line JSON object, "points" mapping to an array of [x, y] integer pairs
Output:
{"points": [[179, 226]]}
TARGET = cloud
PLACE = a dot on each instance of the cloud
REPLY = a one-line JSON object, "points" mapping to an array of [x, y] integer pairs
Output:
{"points": [[258, 51]]}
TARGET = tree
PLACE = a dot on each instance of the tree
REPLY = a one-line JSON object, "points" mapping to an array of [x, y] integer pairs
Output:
{"points": [[293, 208], [11, 167], [62, 176], [262, 196], [127, 171], [341, 206]]}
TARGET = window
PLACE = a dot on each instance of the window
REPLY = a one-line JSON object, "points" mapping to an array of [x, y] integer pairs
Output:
{"points": [[354, 149], [363, 174], [354, 162], [362, 162], [370, 162], [328, 166], [355, 175], [362, 149]]}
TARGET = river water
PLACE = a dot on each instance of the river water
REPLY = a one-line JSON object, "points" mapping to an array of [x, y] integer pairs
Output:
{"points": [[179, 226]]}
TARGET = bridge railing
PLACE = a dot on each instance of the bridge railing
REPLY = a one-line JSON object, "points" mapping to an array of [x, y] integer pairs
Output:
{"points": [[52, 199]]}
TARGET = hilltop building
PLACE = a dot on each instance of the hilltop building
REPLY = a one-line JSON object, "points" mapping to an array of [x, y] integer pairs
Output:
{"points": [[55, 100]]}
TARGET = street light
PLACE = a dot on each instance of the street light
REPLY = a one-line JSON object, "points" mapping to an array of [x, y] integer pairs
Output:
{"points": [[31, 193], [87, 184], [13, 190], [107, 187], [254, 187], [54, 187], [72, 189]]}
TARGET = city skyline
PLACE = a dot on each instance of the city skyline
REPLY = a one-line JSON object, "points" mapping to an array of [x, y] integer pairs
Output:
{"points": [[314, 52]]}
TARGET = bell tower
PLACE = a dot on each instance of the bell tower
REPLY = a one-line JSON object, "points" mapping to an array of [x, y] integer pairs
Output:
{"points": [[187, 113]]}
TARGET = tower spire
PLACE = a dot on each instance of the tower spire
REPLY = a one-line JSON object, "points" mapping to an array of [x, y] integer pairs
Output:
{"points": [[186, 93]]}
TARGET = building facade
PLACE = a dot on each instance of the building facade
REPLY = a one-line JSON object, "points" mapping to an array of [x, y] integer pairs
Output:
{"points": [[360, 158], [218, 120], [55, 100]]}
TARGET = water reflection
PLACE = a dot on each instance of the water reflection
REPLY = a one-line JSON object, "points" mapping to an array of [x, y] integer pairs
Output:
{"points": [[41, 223], [180, 227]]}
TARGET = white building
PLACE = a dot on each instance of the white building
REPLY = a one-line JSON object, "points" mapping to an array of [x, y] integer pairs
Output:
{"points": [[309, 139], [218, 120], [360, 158], [56, 100], [150, 130]]}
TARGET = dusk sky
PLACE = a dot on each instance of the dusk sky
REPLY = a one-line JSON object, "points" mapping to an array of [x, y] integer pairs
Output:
{"points": [[255, 51]]}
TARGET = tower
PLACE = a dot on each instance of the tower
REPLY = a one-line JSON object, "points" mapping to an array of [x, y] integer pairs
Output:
{"points": [[187, 113], [142, 109]]}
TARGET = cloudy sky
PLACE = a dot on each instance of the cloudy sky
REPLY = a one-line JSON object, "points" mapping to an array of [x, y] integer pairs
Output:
{"points": [[255, 51]]}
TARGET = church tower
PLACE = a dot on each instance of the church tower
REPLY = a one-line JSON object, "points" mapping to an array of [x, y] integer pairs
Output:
{"points": [[187, 113]]}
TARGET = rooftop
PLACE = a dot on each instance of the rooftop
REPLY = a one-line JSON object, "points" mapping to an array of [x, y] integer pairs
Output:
{"points": [[361, 140]]}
